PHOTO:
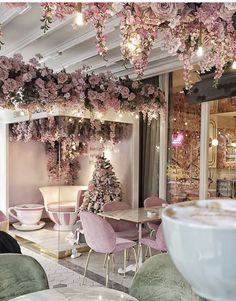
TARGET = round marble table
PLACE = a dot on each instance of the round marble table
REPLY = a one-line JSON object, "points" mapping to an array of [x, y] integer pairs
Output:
{"points": [[82, 293]]}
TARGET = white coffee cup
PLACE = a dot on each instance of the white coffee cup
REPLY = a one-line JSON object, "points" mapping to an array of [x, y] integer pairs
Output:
{"points": [[27, 214], [201, 240]]}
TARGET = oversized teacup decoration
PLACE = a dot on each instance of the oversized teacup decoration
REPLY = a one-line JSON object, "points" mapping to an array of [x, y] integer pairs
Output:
{"points": [[201, 240], [27, 214]]}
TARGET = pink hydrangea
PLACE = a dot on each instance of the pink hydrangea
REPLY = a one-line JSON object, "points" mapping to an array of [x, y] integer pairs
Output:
{"points": [[62, 77]]}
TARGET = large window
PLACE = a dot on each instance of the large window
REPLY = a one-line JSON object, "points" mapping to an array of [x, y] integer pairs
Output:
{"points": [[184, 145], [222, 149]]}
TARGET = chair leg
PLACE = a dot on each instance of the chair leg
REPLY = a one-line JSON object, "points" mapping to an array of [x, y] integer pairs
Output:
{"points": [[125, 254], [105, 261], [146, 253], [107, 269], [136, 260], [139, 252], [113, 262], [86, 264], [150, 251]]}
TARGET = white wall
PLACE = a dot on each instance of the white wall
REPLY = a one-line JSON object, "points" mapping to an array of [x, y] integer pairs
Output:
{"points": [[28, 170]]}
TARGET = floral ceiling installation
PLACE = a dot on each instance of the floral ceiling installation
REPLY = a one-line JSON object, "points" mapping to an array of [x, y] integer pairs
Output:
{"points": [[33, 87], [185, 29], [71, 136]]}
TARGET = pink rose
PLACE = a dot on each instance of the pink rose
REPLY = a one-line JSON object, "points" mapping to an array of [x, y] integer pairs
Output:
{"points": [[3, 74], [10, 85], [27, 77], [5, 62], [150, 90], [125, 92], [40, 83], [43, 93], [135, 85], [66, 88], [62, 77], [164, 10], [92, 95], [131, 97]]}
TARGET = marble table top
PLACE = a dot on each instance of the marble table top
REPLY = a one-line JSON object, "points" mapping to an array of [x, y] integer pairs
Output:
{"points": [[135, 215], [82, 293]]}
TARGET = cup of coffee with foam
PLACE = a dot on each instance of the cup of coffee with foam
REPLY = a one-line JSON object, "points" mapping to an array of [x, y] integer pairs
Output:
{"points": [[201, 240]]}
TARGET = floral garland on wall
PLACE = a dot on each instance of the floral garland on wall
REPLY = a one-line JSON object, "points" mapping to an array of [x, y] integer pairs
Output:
{"points": [[31, 87], [66, 139], [186, 29]]}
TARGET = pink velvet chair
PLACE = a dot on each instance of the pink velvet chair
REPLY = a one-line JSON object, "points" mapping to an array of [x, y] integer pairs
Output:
{"points": [[153, 201], [123, 229], [158, 243], [101, 238]]}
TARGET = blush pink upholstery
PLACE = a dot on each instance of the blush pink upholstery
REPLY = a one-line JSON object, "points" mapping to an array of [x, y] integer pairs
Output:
{"points": [[157, 243], [123, 229], [153, 201], [100, 236]]}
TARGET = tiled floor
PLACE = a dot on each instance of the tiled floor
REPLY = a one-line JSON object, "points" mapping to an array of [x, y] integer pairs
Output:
{"points": [[69, 272], [57, 274]]}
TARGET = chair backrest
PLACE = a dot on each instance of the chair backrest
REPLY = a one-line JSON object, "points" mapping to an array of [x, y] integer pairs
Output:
{"points": [[118, 226], [20, 274], [160, 238], [99, 234], [153, 201], [158, 279], [53, 194], [8, 244]]}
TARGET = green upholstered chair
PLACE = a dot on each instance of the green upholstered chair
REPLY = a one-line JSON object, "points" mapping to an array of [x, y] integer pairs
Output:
{"points": [[158, 279], [19, 275]]}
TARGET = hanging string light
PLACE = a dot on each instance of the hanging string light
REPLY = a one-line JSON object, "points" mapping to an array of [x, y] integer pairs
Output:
{"points": [[79, 19], [234, 65], [200, 49]]}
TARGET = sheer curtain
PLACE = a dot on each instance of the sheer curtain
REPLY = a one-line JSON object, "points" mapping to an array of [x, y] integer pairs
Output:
{"points": [[149, 154]]}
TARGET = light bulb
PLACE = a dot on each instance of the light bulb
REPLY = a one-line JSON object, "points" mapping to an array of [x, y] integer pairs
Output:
{"points": [[79, 19], [120, 115], [214, 142], [200, 51], [234, 65], [133, 43], [136, 116]]}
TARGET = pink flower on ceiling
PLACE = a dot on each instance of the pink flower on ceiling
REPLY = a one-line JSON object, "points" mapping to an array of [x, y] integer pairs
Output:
{"points": [[131, 97], [39, 83], [3, 74], [26, 77], [5, 62], [165, 10], [62, 77], [9, 85]]}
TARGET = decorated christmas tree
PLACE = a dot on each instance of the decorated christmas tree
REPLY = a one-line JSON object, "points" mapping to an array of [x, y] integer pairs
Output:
{"points": [[103, 188]]}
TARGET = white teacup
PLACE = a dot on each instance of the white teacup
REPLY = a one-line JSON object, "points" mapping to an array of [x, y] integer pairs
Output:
{"points": [[27, 214], [201, 240]]}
